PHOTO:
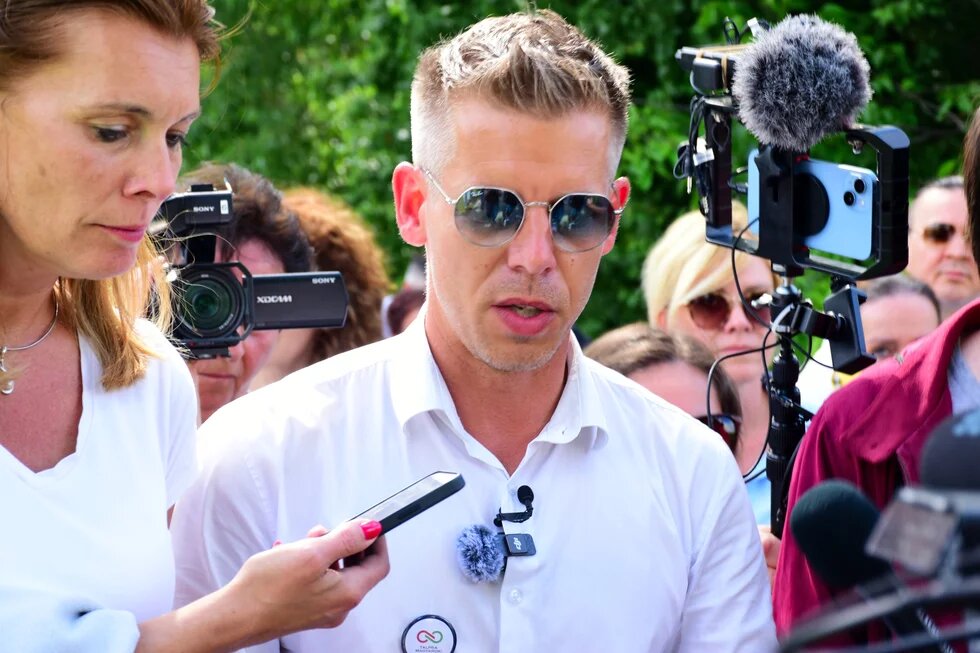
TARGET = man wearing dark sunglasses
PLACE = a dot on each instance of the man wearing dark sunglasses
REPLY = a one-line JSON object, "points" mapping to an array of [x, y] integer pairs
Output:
{"points": [[939, 254], [644, 540], [872, 431]]}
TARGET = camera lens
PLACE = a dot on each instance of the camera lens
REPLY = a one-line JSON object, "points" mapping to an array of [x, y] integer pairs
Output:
{"points": [[859, 186], [208, 304], [849, 198], [212, 302]]}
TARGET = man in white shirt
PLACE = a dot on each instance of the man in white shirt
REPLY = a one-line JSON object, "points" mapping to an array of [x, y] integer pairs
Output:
{"points": [[644, 536]]}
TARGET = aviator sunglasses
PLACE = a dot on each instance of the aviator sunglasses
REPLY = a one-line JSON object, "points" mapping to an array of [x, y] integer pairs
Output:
{"points": [[725, 425], [491, 217], [712, 310]]}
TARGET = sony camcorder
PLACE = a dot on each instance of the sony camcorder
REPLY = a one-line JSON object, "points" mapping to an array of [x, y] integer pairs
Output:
{"points": [[218, 304]]}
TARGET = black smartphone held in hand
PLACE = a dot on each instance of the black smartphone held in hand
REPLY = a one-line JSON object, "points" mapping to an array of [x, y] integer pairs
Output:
{"points": [[416, 498]]}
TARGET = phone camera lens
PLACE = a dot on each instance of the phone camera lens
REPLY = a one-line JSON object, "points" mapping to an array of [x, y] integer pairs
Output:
{"points": [[849, 198], [859, 186]]}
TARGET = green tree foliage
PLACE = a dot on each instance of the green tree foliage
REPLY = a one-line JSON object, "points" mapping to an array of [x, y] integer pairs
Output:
{"points": [[317, 93]]}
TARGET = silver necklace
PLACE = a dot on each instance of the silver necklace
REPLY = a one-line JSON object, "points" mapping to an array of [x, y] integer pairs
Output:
{"points": [[8, 387]]}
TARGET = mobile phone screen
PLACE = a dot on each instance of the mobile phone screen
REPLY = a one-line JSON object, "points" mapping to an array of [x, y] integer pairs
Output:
{"points": [[414, 499]]}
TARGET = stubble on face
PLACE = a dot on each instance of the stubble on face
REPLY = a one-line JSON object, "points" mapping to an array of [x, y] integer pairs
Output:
{"points": [[518, 354]]}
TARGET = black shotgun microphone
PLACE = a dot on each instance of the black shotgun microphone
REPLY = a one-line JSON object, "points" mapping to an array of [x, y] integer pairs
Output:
{"points": [[831, 523], [801, 80]]}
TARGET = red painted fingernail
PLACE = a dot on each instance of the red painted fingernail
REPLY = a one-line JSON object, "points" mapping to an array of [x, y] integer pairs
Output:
{"points": [[371, 529], [277, 543]]}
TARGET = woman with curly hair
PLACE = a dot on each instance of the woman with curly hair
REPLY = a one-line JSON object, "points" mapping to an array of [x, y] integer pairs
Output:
{"points": [[341, 242]]}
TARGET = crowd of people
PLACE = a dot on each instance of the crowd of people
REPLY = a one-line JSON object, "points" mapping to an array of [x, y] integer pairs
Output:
{"points": [[157, 501]]}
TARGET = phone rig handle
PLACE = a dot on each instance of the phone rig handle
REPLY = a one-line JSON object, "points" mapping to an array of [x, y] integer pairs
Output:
{"points": [[792, 315]]}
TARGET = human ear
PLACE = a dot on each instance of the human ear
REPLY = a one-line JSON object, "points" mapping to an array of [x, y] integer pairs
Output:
{"points": [[408, 188], [621, 190]]}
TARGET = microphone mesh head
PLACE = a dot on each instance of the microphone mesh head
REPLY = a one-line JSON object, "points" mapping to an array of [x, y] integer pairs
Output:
{"points": [[950, 455], [831, 523], [801, 80], [480, 553]]}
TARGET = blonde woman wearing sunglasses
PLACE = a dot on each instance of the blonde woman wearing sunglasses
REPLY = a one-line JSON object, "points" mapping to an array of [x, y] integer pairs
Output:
{"points": [[689, 289]]}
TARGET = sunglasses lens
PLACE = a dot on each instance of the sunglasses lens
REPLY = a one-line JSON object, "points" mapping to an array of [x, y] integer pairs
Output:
{"points": [[581, 222], [724, 425], [488, 216], [938, 232], [709, 311], [727, 426]]}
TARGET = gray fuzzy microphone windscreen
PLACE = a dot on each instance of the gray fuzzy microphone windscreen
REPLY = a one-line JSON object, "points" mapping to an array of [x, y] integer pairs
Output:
{"points": [[480, 553], [799, 81]]}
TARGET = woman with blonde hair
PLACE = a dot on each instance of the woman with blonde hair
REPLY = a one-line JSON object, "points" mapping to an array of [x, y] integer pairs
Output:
{"points": [[689, 288], [97, 410]]}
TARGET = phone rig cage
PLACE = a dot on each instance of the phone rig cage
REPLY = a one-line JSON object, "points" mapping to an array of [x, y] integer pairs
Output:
{"points": [[707, 162]]}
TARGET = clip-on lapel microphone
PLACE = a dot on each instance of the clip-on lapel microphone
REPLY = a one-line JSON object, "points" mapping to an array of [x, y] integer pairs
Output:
{"points": [[482, 553]]}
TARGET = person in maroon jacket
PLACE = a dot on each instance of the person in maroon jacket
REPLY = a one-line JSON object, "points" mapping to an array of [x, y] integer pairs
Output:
{"points": [[871, 432]]}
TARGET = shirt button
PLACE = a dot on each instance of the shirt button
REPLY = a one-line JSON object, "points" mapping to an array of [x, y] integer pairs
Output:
{"points": [[516, 596]]}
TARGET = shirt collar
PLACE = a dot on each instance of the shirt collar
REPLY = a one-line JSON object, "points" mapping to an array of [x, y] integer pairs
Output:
{"points": [[580, 408], [417, 386]]}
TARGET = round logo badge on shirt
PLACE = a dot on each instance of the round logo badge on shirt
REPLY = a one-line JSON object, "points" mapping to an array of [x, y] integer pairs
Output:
{"points": [[429, 634]]}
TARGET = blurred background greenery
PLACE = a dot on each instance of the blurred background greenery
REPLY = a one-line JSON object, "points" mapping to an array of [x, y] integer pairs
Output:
{"points": [[317, 93]]}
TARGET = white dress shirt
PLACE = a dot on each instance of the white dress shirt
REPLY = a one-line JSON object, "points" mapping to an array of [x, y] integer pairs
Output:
{"points": [[644, 534]]}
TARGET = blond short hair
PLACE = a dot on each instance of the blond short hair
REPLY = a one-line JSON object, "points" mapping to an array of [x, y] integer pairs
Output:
{"points": [[682, 265], [532, 62]]}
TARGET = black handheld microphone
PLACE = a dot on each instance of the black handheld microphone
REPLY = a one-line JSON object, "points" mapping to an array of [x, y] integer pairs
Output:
{"points": [[799, 81], [950, 455], [949, 465], [831, 523], [927, 527]]}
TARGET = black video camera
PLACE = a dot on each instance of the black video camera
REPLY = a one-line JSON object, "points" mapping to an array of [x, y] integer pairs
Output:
{"points": [[218, 304]]}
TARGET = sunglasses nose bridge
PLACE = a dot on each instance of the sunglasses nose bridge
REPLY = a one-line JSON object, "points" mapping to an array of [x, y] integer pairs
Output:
{"points": [[546, 207], [737, 315], [532, 246]]}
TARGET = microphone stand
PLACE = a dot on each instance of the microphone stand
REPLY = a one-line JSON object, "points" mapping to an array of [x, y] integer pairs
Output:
{"points": [[787, 419], [793, 315]]}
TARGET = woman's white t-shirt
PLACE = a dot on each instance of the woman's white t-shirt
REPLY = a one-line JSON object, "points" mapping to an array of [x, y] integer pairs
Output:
{"points": [[91, 532]]}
